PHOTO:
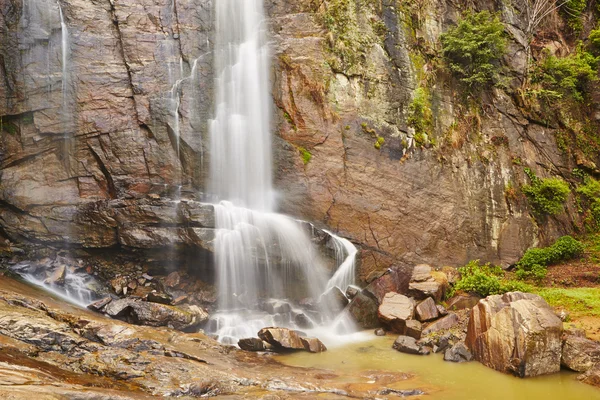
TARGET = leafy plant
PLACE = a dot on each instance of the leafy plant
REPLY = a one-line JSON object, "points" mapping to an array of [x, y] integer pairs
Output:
{"points": [[379, 142], [560, 76], [547, 195], [591, 191], [474, 48], [305, 155], [419, 116], [534, 262], [572, 11]]}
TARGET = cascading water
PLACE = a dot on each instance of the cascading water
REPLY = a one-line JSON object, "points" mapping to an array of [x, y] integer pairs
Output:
{"points": [[260, 255]]}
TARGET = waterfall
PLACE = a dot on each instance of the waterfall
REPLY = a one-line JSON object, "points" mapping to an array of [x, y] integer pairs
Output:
{"points": [[64, 35], [261, 257], [345, 255]]}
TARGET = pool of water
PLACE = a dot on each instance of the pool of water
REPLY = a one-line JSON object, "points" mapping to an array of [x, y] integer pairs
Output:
{"points": [[440, 379]]}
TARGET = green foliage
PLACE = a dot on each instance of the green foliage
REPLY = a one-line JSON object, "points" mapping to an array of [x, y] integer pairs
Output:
{"points": [[578, 301], [572, 11], [533, 264], [419, 116], [305, 154], [567, 75], [591, 191], [379, 142], [475, 47], [480, 279], [546, 195], [594, 39]]}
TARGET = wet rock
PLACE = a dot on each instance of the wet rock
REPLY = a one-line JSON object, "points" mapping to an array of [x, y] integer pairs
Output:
{"points": [[313, 345], [251, 344], [274, 306], [462, 301], [281, 338], [99, 305], [172, 280], [401, 393], [363, 308], [155, 314], [579, 353], [449, 321], [303, 321], [516, 333], [591, 376], [413, 329], [352, 291], [407, 344], [334, 300], [158, 297], [458, 353], [396, 279], [395, 310], [446, 340], [426, 310], [58, 276], [379, 332]]}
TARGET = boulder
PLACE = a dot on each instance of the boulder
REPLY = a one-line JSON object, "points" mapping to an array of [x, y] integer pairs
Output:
{"points": [[363, 309], [396, 279], [313, 345], [462, 301], [99, 305], [579, 353], [251, 344], [515, 333], [441, 310], [421, 273], [281, 338], [395, 310], [352, 291], [426, 310], [118, 284], [333, 300], [379, 332], [57, 277], [442, 324], [158, 297], [274, 306], [407, 344], [303, 321], [172, 279], [422, 290], [458, 353], [413, 329], [592, 376]]}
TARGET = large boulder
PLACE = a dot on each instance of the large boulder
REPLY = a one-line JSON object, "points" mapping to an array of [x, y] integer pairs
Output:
{"points": [[395, 310], [592, 376], [426, 310], [448, 322], [396, 279], [515, 333], [579, 353], [458, 353], [283, 339], [363, 308], [333, 300]]}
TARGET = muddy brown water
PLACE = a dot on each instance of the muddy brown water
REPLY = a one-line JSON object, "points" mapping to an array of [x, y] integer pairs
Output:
{"points": [[440, 380]]}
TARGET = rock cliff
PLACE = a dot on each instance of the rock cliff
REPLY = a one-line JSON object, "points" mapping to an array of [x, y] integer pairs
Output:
{"points": [[125, 117]]}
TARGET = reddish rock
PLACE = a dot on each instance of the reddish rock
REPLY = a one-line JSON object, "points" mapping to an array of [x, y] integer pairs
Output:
{"points": [[396, 279], [395, 310], [449, 321], [172, 279], [426, 310], [516, 333]]}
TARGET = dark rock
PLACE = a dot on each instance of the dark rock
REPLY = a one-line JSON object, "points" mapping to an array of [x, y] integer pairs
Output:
{"points": [[274, 306], [458, 353], [352, 291], [579, 353], [591, 376], [99, 305], [446, 340], [379, 332], [413, 329], [401, 393], [407, 344], [251, 344], [395, 310], [444, 323], [396, 279], [516, 333], [333, 300], [426, 310], [363, 308], [303, 321], [158, 297]]}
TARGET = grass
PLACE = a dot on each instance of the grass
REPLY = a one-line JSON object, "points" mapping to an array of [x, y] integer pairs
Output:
{"points": [[577, 301]]}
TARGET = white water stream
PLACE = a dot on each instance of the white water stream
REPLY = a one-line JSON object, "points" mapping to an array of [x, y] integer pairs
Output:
{"points": [[259, 254]]}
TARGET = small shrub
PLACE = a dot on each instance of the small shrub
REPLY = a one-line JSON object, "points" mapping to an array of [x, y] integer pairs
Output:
{"points": [[480, 279], [474, 48], [379, 142], [572, 11], [591, 191], [419, 116], [533, 264], [567, 75], [546, 195]]}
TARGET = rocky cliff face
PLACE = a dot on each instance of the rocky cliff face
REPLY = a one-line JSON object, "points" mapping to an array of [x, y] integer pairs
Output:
{"points": [[128, 119]]}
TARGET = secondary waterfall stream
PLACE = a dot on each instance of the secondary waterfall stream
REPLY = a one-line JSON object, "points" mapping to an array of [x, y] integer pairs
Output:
{"points": [[261, 256]]}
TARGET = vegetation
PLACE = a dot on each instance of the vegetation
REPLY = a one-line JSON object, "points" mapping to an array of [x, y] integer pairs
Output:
{"points": [[485, 280], [535, 261], [578, 301], [572, 11], [566, 76], [474, 48], [305, 154], [591, 191], [379, 142], [547, 195], [419, 116]]}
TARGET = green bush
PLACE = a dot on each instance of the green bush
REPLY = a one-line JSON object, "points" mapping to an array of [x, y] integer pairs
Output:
{"points": [[572, 11], [546, 195], [594, 38], [533, 264], [591, 191], [485, 280], [567, 75], [419, 116], [474, 48]]}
